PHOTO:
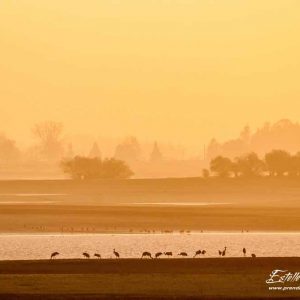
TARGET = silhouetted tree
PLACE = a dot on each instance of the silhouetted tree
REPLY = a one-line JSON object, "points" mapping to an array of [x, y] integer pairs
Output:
{"points": [[129, 150], [263, 140], [213, 149], [8, 150], [278, 162], [245, 135], [205, 173], [274, 136], [222, 166], [113, 168], [294, 169], [248, 165], [50, 136], [95, 168], [233, 148]]}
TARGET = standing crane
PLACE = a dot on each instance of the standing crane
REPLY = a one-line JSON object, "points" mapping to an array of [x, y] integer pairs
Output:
{"points": [[117, 255], [224, 251], [244, 251], [169, 253]]}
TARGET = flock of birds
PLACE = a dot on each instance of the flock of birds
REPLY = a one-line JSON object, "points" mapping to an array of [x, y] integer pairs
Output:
{"points": [[146, 254]]}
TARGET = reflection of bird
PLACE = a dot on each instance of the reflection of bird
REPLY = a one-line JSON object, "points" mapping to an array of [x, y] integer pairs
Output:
{"points": [[117, 255], [244, 251], [253, 255], [54, 254], [86, 255], [182, 254], [97, 255], [169, 253], [146, 254], [224, 251], [198, 253], [158, 254]]}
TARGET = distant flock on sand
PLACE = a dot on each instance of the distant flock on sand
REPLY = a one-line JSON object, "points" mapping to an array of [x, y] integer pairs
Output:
{"points": [[147, 254]]}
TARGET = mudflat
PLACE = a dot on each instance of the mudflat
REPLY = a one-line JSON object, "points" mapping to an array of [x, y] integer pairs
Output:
{"points": [[262, 204], [93, 219], [208, 278]]}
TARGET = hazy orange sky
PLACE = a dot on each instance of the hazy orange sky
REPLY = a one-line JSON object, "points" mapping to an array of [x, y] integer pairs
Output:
{"points": [[175, 70]]}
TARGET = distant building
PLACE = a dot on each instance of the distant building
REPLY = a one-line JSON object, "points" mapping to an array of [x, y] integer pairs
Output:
{"points": [[95, 151], [156, 155]]}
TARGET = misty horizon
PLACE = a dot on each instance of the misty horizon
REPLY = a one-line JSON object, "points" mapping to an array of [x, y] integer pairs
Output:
{"points": [[149, 149], [165, 71], [83, 143]]}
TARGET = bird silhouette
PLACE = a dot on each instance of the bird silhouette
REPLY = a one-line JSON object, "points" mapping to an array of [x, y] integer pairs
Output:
{"points": [[86, 255], [158, 254], [244, 251], [203, 252], [182, 254], [146, 254], [117, 255], [224, 251], [97, 255], [169, 253], [198, 252], [253, 255], [54, 254]]}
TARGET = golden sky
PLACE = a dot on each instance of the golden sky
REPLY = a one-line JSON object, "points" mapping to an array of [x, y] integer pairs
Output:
{"points": [[175, 70]]}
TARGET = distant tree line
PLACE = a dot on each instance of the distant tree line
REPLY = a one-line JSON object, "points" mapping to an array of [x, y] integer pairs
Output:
{"points": [[262, 140], [95, 168], [274, 163]]}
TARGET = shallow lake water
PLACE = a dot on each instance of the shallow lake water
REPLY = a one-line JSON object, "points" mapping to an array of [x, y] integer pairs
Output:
{"points": [[40, 246]]}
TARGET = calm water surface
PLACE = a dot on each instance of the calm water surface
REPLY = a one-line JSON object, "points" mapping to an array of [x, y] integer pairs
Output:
{"points": [[32, 246]]}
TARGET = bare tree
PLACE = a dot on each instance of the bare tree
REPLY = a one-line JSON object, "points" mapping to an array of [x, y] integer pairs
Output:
{"points": [[49, 134], [8, 150]]}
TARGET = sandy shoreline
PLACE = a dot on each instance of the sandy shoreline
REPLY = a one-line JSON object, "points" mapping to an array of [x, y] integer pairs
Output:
{"points": [[208, 278], [265, 204], [92, 219]]}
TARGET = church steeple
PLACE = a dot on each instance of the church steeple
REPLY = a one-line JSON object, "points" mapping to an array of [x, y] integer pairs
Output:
{"points": [[156, 155], [95, 151]]}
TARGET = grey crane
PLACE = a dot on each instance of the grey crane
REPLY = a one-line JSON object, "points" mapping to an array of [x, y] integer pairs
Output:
{"points": [[146, 254], [54, 254], [117, 254]]}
